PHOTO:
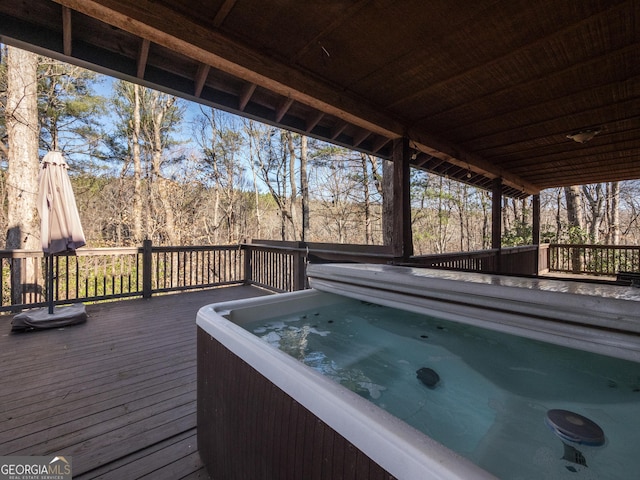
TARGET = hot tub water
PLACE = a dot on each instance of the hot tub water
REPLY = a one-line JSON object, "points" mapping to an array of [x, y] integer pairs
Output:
{"points": [[494, 389]]}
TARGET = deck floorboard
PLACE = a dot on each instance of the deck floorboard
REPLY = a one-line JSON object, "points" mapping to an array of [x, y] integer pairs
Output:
{"points": [[116, 394]]}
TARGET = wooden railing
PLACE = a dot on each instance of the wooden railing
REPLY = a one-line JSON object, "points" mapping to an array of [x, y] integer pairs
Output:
{"points": [[478, 261], [594, 259], [93, 274], [512, 260], [110, 273], [281, 266]]}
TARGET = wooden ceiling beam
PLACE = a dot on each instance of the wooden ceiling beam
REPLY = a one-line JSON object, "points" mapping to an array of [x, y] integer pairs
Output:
{"points": [[283, 108], [338, 128], [456, 156], [245, 95], [379, 143], [201, 78], [67, 37], [143, 55], [223, 12], [313, 121], [360, 137]]}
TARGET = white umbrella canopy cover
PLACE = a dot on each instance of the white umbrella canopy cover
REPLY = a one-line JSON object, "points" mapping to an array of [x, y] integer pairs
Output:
{"points": [[61, 229]]}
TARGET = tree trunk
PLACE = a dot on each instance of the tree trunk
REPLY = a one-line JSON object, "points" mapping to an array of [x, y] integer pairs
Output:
{"points": [[21, 116], [293, 186], [575, 216], [159, 110], [387, 202], [256, 190], [367, 200], [558, 214], [614, 222], [595, 200], [576, 223], [304, 187], [137, 169]]}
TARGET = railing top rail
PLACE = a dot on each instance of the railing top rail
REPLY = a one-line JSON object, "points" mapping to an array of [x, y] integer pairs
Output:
{"points": [[595, 246], [520, 248], [20, 253], [196, 248], [312, 250], [448, 255]]}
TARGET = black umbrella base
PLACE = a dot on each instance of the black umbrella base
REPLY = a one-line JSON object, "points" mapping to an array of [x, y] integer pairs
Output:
{"points": [[41, 318]]}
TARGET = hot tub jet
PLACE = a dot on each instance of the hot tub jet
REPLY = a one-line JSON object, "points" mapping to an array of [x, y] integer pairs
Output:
{"points": [[428, 376], [574, 429]]}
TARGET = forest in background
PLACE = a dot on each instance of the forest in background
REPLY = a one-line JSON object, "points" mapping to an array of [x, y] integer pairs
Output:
{"points": [[147, 165]]}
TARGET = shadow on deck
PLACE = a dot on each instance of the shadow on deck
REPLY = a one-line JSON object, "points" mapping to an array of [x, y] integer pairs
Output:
{"points": [[117, 394]]}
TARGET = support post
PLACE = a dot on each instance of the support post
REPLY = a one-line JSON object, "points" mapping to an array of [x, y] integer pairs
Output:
{"points": [[248, 256], [535, 229], [147, 266], [300, 267], [50, 283], [496, 220], [402, 243]]}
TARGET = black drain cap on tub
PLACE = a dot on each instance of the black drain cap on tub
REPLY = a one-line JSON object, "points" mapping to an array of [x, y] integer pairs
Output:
{"points": [[573, 427]]}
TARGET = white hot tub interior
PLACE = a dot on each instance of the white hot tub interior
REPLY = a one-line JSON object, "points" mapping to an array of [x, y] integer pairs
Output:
{"points": [[473, 365]]}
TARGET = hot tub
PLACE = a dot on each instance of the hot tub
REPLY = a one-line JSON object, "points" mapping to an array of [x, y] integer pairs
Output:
{"points": [[493, 377]]}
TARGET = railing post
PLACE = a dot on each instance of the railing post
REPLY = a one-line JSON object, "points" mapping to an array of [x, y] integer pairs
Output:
{"points": [[248, 254], [147, 267], [300, 268]]}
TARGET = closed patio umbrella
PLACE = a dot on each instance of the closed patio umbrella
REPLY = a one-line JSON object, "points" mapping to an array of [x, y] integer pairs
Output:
{"points": [[61, 231]]}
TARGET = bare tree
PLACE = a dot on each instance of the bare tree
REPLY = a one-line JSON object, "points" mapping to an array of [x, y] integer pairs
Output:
{"points": [[383, 182], [162, 116], [136, 125], [272, 157], [127, 103], [222, 143], [368, 234], [304, 187], [21, 118], [613, 213], [595, 200], [293, 188], [575, 216]]}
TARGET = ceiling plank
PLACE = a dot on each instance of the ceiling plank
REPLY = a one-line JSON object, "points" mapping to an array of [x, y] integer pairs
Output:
{"points": [[337, 21], [539, 43], [626, 54]]}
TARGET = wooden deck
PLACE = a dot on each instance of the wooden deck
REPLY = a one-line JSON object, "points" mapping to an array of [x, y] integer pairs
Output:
{"points": [[117, 394]]}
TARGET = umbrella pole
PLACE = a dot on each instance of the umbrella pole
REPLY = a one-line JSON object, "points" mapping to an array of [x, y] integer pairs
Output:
{"points": [[50, 282]]}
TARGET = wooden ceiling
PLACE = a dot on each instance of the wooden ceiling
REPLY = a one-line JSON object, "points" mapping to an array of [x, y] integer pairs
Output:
{"points": [[483, 89]]}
